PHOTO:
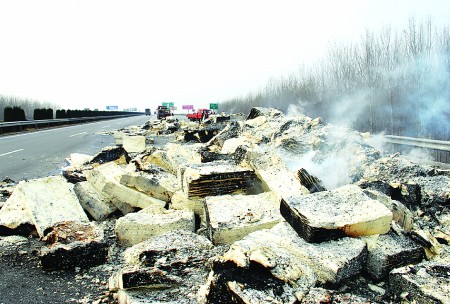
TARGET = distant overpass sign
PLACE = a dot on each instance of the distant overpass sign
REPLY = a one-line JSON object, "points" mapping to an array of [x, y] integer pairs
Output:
{"points": [[214, 106]]}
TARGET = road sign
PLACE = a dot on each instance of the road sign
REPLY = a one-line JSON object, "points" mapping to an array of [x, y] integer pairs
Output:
{"points": [[171, 104], [165, 104], [187, 107], [214, 106]]}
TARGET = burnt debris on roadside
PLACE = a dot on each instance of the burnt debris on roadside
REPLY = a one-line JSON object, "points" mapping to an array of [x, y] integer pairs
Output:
{"points": [[263, 209]]}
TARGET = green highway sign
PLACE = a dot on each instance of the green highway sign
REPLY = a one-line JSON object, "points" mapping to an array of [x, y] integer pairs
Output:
{"points": [[214, 106], [165, 104], [171, 104]]}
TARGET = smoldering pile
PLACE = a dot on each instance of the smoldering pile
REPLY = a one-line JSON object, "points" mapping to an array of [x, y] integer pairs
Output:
{"points": [[271, 209]]}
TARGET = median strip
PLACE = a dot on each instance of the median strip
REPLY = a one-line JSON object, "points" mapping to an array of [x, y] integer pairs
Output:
{"points": [[11, 152]]}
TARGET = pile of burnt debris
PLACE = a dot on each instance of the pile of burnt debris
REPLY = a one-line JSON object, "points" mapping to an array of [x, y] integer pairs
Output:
{"points": [[268, 209]]}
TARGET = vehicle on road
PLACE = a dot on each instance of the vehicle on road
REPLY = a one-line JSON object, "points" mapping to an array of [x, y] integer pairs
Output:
{"points": [[200, 115], [162, 112], [148, 112]]}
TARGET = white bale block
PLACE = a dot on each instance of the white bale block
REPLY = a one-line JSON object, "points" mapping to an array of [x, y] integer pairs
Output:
{"points": [[134, 228], [133, 144], [94, 202], [231, 217], [105, 178], [49, 201]]}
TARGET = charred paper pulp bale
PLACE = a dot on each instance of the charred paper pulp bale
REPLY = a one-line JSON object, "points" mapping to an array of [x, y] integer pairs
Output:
{"points": [[395, 168], [14, 217], [105, 178], [174, 249], [332, 261], [408, 193], [150, 277], [211, 154], [278, 263], [429, 243], [230, 145], [311, 182], [49, 201], [434, 190], [133, 144], [74, 165], [329, 215], [215, 178], [428, 282], [232, 130], [175, 155], [401, 215], [110, 153], [73, 244], [202, 135], [271, 273], [268, 112], [158, 184], [185, 256], [231, 217], [93, 201], [183, 153], [275, 176], [134, 228], [390, 251], [197, 205], [159, 158]]}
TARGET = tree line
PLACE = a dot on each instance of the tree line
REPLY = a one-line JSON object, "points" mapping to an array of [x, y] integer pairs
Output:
{"points": [[19, 109], [28, 106], [389, 81]]}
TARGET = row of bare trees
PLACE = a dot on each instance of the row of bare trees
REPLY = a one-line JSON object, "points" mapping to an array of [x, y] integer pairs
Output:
{"points": [[26, 104], [396, 82]]}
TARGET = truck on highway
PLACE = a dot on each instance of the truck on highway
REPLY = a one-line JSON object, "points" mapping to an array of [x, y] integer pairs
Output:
{"points": [[147, 112], [162, 112], [199, 115]]}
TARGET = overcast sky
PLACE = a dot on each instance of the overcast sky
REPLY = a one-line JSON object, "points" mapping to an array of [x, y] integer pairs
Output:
{"points": [[133, 53]]}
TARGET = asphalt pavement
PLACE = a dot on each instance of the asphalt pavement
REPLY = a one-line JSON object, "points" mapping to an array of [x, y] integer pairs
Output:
{"points": [[42, 153]]}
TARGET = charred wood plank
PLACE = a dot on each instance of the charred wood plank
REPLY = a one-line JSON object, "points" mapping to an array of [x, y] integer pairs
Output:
{"points": [[329, 215]]}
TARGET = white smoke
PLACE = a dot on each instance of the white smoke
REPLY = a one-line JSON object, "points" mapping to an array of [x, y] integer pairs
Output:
{"points": [[295, 110], [378, 141], [333, 171], [347, 110], [419, 156]]}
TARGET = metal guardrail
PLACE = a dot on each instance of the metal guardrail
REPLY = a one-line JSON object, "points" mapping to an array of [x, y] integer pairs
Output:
{"points": [[59, 121], [438, 150], [419, 142]]}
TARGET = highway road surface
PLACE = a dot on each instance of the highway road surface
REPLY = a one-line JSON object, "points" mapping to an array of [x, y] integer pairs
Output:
{"points": [[42, 153]]}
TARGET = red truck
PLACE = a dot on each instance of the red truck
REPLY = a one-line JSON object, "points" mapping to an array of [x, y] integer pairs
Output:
{"points": [[199, 115]]}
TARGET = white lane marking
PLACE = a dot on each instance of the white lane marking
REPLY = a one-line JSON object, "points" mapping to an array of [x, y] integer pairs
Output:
{"points": [[106, 127], [78, 134], [11, 152]]}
